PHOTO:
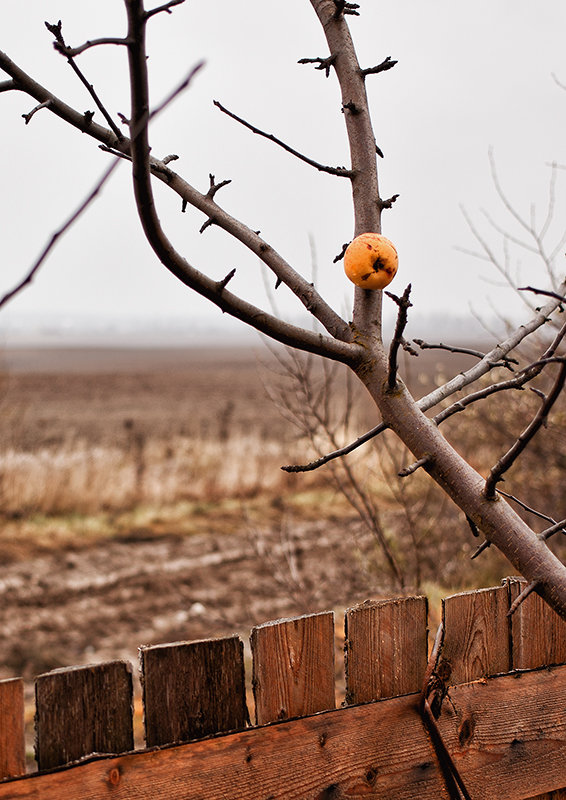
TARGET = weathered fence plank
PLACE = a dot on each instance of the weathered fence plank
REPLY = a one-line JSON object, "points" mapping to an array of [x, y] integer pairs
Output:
{"points": [[12, 744], [386, 648], [193, 689], [476, 639], [293, 667], [538, 633], [507, 734], [378, 750], [83, 710]]}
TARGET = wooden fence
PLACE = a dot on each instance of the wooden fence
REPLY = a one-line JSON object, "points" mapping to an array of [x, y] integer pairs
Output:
{"points": [[485, 719]]}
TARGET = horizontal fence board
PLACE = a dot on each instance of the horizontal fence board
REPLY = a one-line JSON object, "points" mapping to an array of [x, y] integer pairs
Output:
{"points": [[378, 750], [507, 735], [12, 743], [538, 633], [193, 689], [293, 667], [386, 648], [476, 639], [83, 710]]}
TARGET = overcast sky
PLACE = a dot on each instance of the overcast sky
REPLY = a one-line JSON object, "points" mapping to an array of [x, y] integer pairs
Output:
{"points": [[470, 77]]}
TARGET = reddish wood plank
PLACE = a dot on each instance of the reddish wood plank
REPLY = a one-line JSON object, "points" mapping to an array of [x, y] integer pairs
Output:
{"points": [[538, 633], [193, 689], [378, 750], [476, 634], [12, 743], [83, 710], [386, 648], [507, 735], [293, 667]]}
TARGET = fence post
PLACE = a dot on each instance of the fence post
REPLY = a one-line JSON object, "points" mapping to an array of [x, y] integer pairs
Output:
{"points": [[385, 648], [476, 639], [12, 744], [83, 710], [293, 667], [193, 689]]}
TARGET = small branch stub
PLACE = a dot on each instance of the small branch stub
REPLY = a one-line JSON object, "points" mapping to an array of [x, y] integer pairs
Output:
{"points": [[27, 117], [342, 7], [386, 64], [214, 187], [322, 63]]}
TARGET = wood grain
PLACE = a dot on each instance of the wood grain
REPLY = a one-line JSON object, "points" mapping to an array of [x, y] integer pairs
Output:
{"points": [[293, 667], [83, 710], [12, 743], [193, 689], [507, 735], [386, 648], [378, 750], [538, 633], [476, 634]]}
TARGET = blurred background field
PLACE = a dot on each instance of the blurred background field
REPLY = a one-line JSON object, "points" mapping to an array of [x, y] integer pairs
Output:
{"points": [[142, 498]]}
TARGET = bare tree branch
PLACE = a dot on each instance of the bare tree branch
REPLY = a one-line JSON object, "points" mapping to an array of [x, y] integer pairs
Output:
{"points": [[58, 233], [70, 52], [404, 305], [383, 67], [322, 63], [304, 290], [505, 361], [406, 471], [56, 30], [558, 527], [341, 171], [545, 292], [522, 596], [8, 86], [166, 7], [28, 117], [169, 257], [507, 460]]}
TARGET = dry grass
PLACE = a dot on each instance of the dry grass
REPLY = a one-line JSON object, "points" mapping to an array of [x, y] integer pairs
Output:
{"points": [[87, 451]]}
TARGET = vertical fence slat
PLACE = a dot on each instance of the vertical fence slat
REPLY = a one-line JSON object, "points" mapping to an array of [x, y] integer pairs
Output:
{"points": [[12, 743], [538, 633], [386, 648], [293, 667], [83, 710], [193, 689], [476, 634]]}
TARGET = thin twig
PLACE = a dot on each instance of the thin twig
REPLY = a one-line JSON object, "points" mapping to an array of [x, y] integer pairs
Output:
{"points": [[342, 451], [404, 305], [556, 528], [27, 117], [323, 63], [544, 292], [58, 233], [386, 64], [529, 589], [70, 52], [464, 350], [483, 546], [526, 507], [406, 471], [507, 460], [341, 171], [56, 30], [166, 7]]}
